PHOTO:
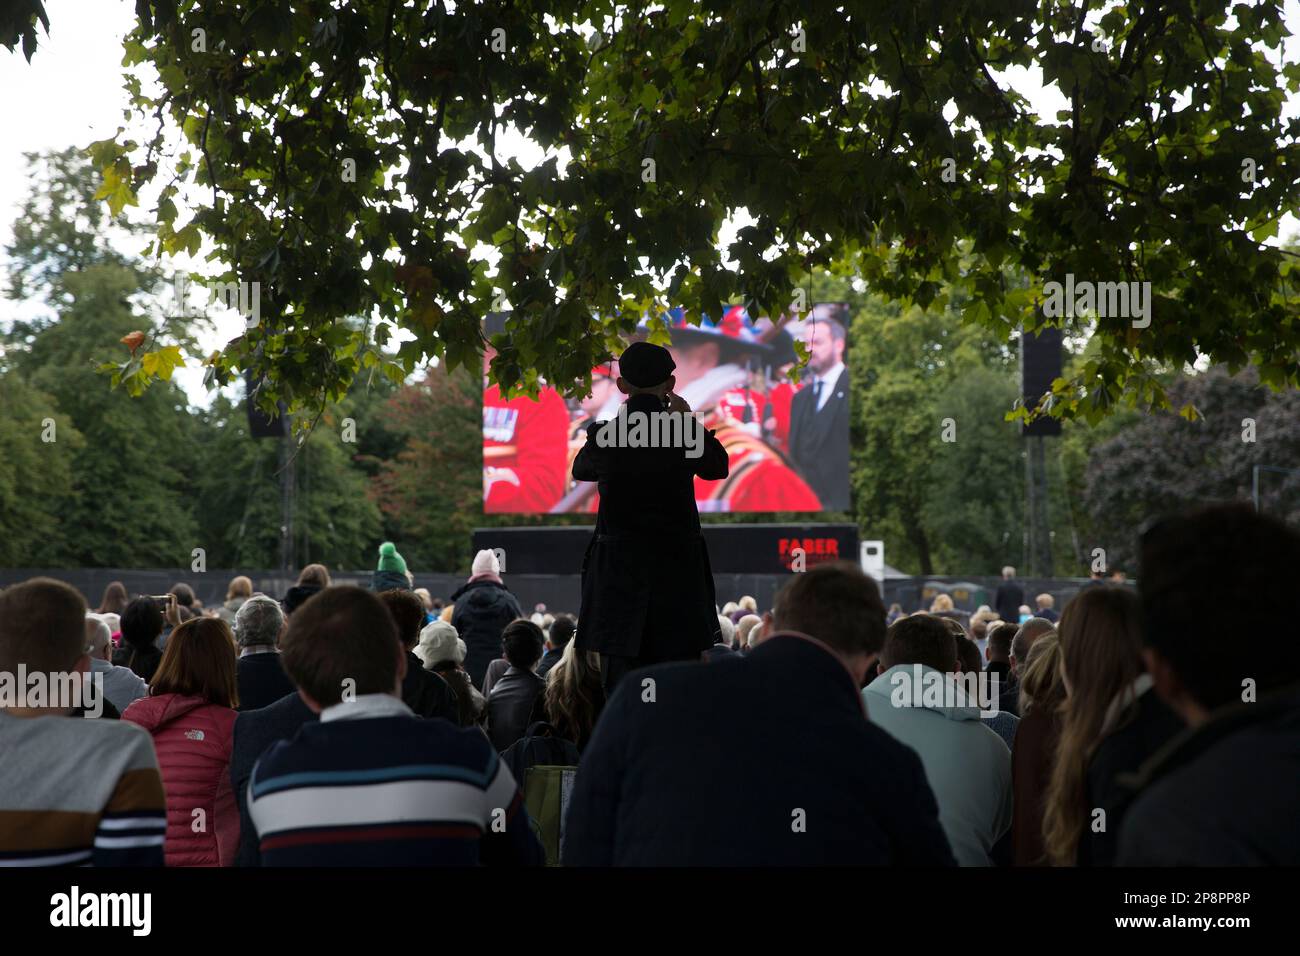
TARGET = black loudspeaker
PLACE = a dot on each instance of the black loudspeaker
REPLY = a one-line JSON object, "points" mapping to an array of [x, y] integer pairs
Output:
{"points": [[1040, 364], [261, 425]]}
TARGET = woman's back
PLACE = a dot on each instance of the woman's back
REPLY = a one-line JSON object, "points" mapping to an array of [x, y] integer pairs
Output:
{"points": [[193, 740]]}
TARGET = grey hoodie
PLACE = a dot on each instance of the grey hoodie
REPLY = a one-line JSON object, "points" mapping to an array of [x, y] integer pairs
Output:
{"points": [[967, 764]]}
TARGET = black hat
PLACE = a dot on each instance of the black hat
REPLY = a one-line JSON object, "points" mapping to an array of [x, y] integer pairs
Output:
{"points": [[645, 365]]}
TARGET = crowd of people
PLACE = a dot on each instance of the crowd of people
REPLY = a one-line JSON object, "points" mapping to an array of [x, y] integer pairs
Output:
{"points": [[384, 726]]}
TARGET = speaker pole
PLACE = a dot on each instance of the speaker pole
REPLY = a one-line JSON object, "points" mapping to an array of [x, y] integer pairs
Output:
{"points": [[1040, 528], [288, 560]]}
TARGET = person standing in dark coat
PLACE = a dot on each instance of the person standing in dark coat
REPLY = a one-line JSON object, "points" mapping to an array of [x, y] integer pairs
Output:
{"points": [[259, 622], [647, 587], [483, 608], [811, 781], [1009, 596], [427, 694], [1227, 791]]}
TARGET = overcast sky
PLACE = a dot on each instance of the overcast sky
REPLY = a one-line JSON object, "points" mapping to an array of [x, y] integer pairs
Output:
{"points": [[71, 94]]}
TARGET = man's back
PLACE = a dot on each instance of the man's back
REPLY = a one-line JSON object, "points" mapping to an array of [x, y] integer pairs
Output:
{"points": [[1224, 794], [643, 490], [967, 765], [1008, 599], [388, 791], [262, 680], [255, 731], [77, 792], [510, 706], [667, 780]]}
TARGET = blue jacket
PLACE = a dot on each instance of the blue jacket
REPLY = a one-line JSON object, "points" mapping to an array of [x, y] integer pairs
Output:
{"points": [[262, 680], [255, 731], [760, 759]]}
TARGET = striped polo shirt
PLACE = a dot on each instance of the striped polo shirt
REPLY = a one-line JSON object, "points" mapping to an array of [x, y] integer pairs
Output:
{"points": [[371, 784], [79, 792]]}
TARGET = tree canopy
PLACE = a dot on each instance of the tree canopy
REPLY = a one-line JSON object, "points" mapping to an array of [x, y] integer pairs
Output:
{"points": [[351, 162]]}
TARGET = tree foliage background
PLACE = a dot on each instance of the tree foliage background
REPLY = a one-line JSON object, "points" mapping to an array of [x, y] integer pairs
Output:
{"points": [[348, 158]]}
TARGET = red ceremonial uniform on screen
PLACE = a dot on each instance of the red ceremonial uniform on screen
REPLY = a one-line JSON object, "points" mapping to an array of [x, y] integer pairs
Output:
{"points": [[743, 404], [758, 479], [778, 407], [525, 451]]}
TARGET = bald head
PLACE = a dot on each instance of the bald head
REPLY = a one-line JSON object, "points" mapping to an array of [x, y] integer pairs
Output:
{"points": [[1030, 631]]}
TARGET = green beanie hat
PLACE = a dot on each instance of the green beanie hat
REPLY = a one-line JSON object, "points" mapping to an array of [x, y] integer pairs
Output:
{"points": [[389, 559]]}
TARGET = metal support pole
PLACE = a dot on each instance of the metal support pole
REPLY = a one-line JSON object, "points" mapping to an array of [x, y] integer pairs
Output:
{"points": [[288, 559]]}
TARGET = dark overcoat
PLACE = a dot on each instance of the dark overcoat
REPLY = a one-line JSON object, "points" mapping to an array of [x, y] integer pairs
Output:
{"points": [[647, 587], [483, 609]]}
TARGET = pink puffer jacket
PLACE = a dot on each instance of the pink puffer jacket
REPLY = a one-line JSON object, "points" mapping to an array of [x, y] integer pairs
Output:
{"points": [[193, 739]]}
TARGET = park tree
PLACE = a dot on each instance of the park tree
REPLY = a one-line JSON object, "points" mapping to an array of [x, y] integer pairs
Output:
{"points": [[37, 488], [357, 160], [1164, 463], [238, 502], [131, 468], [431, 492], [18, 20]]}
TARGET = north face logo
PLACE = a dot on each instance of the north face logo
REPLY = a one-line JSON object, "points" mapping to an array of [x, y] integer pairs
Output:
{"points": [[194, 734]]}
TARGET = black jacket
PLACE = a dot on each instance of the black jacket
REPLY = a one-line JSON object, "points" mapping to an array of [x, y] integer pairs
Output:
{"points": [[1008, 599], [647, 587], [262, 680], [426, 693], [819, 442], [255, 731], [458, 681], [811, 781], [143, 661], [510, 706], [1008, 687], [1147, 727], [483, 609], [1221, 794], [549, 660]]}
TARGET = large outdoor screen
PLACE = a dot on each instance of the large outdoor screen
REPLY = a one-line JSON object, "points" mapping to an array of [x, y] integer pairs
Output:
{"points": [[787, 443]]}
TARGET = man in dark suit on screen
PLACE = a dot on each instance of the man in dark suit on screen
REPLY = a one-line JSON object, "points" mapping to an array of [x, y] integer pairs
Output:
{"points": [[819, 414]]}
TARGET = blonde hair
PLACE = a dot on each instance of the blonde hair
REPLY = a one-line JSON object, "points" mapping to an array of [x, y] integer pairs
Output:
{"points": [[1100, 651], [745, 626], [749, 604], [573, 694], [1041, 686], [446, 613], [239, 587], [941, 602]]}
